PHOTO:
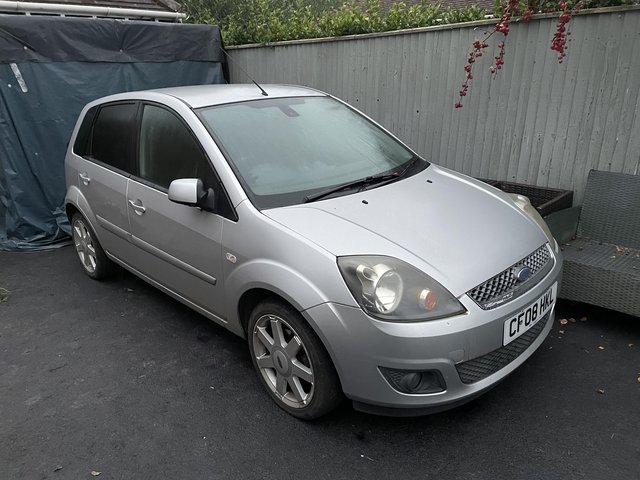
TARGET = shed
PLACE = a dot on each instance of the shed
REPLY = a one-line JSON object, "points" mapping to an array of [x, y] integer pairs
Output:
{"points": [[55, 58]]}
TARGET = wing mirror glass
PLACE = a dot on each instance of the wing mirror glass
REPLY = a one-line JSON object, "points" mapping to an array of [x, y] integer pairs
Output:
{"points": [[191, 192]]}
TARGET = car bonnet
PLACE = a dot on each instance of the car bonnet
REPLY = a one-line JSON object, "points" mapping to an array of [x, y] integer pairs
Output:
{"points": [[454, 228]]}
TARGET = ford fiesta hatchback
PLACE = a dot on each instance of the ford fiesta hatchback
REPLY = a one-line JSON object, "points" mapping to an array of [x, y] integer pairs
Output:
{"points": [[352, 266]]}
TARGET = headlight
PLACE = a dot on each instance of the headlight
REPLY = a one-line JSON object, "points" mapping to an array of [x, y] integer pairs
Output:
{"points": [[524, 204], [390, 289]]}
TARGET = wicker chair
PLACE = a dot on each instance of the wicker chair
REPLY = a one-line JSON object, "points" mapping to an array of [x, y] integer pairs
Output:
{"points": [[602, 261]]}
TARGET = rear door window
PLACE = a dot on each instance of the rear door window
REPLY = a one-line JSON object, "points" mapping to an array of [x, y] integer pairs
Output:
{"points": [[113, 136]]}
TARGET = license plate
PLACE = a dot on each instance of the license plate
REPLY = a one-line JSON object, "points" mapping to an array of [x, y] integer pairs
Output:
{"points": [[528, 317]]}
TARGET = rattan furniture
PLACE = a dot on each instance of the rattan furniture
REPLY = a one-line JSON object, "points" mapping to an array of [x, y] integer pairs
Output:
{"points": [[602, 261]]}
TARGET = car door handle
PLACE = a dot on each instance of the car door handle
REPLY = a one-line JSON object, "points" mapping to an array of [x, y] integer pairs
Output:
{"points": [[84, 178], [137, 207]]}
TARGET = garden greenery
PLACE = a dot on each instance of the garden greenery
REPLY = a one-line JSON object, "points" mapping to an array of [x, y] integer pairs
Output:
{"points": [[262, 21]]}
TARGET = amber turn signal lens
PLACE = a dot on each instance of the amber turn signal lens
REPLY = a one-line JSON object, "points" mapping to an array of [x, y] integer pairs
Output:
{"points": [[427, 299]]}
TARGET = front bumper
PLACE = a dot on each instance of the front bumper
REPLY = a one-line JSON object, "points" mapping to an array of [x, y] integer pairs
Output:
{"points": [[359, 345]]}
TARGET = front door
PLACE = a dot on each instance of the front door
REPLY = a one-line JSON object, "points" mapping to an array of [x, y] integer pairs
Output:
{"points": [[179, 246]]}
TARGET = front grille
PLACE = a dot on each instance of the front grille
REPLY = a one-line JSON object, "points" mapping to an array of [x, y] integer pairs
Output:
{"points": [[505, 287], [481, 367]]}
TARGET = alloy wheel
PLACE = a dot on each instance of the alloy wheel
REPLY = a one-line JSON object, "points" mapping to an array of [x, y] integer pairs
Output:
{"points": [[283, 361], [84, 246]]}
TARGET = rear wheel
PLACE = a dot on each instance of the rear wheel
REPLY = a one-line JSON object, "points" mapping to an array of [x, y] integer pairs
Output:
{"points": [[93, 259], [291, 361]]}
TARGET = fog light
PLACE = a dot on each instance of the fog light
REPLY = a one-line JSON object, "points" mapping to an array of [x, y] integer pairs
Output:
{"points": [[414, 382], [410, 381]]}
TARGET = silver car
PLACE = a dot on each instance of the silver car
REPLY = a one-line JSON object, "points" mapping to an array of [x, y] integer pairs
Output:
{"points": [[352, 266]]}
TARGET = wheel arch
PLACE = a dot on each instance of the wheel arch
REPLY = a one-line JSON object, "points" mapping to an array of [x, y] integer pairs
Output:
{"points": [[76, 203], [71, 210], [257, 294], [254, 296]]}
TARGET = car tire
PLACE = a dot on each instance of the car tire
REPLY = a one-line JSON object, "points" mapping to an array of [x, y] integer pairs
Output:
{"points": [[92, 257], [292, 362]]}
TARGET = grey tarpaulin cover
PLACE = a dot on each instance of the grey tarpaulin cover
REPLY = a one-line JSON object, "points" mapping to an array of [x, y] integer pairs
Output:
{"points": [[50, 67]]}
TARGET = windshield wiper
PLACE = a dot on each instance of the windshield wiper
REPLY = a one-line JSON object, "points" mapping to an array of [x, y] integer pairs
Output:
{"points": [[362, 183], [407, 169]]}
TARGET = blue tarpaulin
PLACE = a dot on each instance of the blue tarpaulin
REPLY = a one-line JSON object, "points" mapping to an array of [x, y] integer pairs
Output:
{"points": [[50, 67]]}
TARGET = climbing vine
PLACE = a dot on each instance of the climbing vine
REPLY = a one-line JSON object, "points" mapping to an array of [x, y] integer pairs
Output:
{"points": [[517, 10]]}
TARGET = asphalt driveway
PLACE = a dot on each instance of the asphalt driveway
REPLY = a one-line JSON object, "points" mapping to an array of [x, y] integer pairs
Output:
{"points": [[118, 378]]}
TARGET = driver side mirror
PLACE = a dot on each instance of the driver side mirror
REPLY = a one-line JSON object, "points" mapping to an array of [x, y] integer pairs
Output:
{"points": [[191, 192]]}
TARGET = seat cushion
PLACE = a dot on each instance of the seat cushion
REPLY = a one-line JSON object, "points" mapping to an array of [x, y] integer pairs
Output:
{"points": [[602, 274]]}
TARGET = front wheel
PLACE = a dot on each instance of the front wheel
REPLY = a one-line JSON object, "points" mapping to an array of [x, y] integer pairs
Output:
{"points": [[291, 361]]}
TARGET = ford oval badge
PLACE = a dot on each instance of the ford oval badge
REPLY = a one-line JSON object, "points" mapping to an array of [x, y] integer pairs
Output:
{"points": [[522, 274]]}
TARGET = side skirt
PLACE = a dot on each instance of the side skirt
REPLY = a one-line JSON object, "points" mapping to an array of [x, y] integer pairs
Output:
{"points": [[177, 296]]}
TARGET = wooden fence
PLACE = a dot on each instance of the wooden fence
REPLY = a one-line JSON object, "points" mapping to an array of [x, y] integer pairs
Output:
{"points": [[537, 122]]}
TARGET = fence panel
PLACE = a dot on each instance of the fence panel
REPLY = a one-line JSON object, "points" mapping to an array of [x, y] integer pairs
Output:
{"points": [[536, 122]]}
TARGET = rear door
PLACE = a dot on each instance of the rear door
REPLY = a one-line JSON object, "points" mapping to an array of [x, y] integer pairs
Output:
{"points": [[107, 151], [179, 246]]}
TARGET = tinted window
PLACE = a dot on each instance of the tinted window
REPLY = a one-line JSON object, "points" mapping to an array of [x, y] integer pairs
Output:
{"points": [[81, 145], [168, 150], [113, 136]]}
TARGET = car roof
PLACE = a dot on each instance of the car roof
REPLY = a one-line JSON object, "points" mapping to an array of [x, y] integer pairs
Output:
{"points": [[208, 95]]}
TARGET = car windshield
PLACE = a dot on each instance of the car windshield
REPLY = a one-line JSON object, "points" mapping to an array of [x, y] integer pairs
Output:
{"points": [[285, 149]]}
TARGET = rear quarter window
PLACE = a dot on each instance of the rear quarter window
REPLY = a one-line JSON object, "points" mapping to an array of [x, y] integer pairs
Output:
{"points": [[81, 144]]}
